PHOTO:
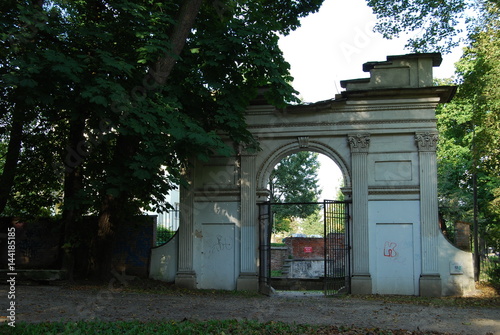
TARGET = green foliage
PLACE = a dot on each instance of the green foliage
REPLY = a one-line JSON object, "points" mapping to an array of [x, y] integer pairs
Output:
{"points": [[470, 133], [434, 23], [294, 180], [313, 224], [82, 77], [276, 273], [163, 235], [492, 270]]}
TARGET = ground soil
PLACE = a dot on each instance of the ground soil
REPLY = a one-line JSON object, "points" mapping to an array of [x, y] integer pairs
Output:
{"points": [[145, 301]]}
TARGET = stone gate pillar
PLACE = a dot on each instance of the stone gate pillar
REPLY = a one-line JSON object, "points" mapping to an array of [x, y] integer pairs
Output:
{"points": [[186, 276], [248, 278], [361, 282], [430, 280]]}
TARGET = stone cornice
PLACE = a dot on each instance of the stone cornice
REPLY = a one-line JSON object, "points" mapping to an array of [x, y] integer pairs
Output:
{"points": [[340, 123], [335, 106]]}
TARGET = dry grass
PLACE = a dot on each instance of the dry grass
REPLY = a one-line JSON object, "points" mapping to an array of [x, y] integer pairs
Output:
{"points": [[486, 294]]}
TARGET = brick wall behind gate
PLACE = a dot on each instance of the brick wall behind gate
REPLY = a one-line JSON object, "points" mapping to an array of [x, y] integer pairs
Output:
{"points": [[305, 247]]}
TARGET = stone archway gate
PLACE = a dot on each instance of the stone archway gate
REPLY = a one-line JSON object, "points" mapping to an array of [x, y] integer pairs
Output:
{"points": [[381, 131]]}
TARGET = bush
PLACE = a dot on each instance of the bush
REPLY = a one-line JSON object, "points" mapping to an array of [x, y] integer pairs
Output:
{"points": [[163, 235], [492, 270]]}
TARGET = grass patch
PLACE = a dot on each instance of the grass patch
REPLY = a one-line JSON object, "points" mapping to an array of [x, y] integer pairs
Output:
{"points": [[191, 328], [276, 273]]}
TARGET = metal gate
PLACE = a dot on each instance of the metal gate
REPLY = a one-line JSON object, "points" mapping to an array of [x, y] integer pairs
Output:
{"points": [[336, 241], [337, 247], [265, 228]]}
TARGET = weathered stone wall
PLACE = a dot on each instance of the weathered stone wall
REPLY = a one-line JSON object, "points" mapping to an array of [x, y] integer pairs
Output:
{"points": [[278, 256]]}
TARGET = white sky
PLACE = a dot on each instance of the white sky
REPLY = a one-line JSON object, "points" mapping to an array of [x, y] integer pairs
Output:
{"points": [[332, 45]]}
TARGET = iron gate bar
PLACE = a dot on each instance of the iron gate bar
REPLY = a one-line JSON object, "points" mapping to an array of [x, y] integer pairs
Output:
{"points": [[337, 247], [265, 225], [337, 278], [301, 203]]}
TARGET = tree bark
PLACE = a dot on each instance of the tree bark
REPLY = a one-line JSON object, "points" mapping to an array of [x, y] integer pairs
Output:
{"points": [[12, 156], [105, 239], [184, 23], [72, 186]]}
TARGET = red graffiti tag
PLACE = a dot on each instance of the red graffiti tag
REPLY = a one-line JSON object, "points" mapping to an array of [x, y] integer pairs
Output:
{"points": [[389, 249]]}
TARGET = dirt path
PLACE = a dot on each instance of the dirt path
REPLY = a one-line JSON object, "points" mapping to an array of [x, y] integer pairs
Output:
{"points": [[54, 303]]}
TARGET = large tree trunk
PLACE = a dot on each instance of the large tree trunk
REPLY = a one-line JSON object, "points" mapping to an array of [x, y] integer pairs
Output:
{"points": [[72, 213], [105, 238], [12, 157], [112, 210]]}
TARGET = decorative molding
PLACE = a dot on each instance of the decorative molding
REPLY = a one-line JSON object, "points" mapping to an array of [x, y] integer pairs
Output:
{"points": [[394, 190], [303, 141], [341, 123], [220, 195], [288, 148], [359, 142], [356, 108], [342, 108], [426, 141]]}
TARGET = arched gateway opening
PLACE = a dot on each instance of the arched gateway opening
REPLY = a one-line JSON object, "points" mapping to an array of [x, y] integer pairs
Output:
{"points": [[381, 132], [304, 239]]}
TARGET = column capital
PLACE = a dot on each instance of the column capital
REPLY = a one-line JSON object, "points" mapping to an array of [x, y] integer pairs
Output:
{"points": [[426, 141], [359, 142], [248, 149]]}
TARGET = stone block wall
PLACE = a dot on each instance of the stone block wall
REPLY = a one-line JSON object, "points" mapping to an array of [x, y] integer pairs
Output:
{"points": [[278, 256]]}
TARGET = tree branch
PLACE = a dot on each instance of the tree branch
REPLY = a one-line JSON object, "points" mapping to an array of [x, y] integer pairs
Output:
{"points": [[185, 21]]}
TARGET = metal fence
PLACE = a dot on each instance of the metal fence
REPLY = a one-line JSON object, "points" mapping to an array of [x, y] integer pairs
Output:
{"points": [[167, 225]]}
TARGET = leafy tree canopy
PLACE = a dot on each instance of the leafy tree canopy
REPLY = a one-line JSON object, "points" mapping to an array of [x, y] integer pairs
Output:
{"points": [[469, 125], [90, 70], [470, 133], [295, 180], [433, 25]]}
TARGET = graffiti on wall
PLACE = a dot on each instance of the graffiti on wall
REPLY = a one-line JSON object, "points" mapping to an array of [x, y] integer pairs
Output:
{"points": [[389, 249], [221, 244]]}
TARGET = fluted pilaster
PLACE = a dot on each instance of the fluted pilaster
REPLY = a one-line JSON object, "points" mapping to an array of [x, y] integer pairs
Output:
{"points": [[359, 144], [186, 276], [426, 143], [249, 228], [186, 230]]}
